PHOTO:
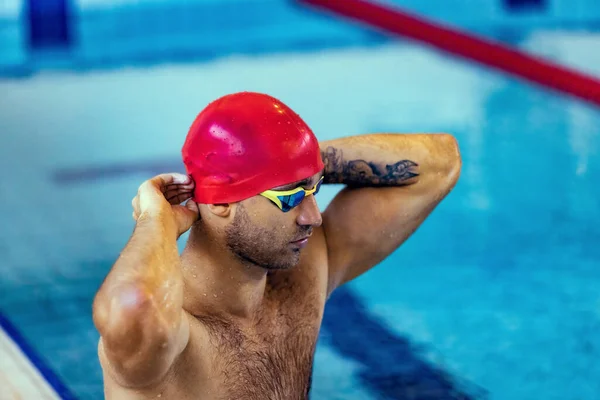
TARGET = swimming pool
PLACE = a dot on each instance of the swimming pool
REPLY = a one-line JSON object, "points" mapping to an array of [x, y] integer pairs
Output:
{"points": [[495, 296]]}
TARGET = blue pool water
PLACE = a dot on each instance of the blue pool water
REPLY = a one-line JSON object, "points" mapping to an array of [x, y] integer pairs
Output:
{"points": [[495, 296]]}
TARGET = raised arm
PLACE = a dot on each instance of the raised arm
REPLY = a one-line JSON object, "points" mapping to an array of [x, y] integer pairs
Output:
{"points": [[138, 309], [393, 182]]}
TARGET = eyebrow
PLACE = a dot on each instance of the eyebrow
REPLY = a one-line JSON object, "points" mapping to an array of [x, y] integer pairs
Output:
{"points": [[294, 185], [303, 182]]}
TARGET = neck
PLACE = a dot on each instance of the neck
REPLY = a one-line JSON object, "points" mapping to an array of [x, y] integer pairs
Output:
{"points": [[216, 281]]}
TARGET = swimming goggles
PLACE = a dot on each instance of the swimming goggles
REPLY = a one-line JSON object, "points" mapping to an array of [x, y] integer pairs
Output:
{"points": [[288, 199]]}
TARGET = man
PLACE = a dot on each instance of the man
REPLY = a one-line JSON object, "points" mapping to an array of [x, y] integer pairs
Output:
{"points": [[237, 315]]}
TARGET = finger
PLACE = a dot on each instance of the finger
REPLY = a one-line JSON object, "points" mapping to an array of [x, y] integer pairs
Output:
{"points": [[186, 215], [179, 198], [135, 204], [164, 180], [193, 206], [161, 182], [151, 192], [173, 193], [184, 186]]}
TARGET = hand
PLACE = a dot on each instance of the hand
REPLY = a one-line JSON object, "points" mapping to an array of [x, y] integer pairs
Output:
{"points": [[161, 197]]}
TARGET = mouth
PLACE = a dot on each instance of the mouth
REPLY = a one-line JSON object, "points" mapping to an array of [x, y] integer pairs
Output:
{"points": [[302, 242]]}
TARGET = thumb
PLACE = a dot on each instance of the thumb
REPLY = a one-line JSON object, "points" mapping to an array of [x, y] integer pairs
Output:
{"points": [[186, 215]]}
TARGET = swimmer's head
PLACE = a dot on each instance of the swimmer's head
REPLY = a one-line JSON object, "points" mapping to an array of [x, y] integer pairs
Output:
{"points": [[245, 143], [256, 165]]}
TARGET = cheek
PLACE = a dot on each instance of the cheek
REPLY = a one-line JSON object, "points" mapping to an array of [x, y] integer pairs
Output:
{"points": [[279, 230], [269, 224], [286, 222]]}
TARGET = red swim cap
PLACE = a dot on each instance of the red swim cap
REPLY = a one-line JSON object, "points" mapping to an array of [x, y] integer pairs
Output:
{"points": [[245, 143]]}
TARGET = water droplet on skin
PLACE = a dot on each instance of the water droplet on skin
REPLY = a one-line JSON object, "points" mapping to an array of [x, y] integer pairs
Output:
{"points": [[194, 275], [204, 294], [215, 295]]}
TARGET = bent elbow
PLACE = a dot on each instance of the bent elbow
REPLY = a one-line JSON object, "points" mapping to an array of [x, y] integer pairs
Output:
{"points": [[453, 161], [139, 340], [122, 315], [113, 303]]}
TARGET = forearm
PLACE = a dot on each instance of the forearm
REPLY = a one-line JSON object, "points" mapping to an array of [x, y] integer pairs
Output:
{"points": [[389, 159], [145, 285]]}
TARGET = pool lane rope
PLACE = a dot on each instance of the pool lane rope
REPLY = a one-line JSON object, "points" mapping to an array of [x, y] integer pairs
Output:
{"points": [[504, 58]]}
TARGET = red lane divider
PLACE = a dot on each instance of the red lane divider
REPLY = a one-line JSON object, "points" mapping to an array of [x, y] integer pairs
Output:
{"points": [[397, 22]]}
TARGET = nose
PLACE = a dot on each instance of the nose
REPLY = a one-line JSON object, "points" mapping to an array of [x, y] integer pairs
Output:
{"points": [[309, 213]]}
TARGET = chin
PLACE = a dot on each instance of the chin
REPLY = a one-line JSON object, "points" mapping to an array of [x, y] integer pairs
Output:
{"points": [[294, 259], [290, 262]]}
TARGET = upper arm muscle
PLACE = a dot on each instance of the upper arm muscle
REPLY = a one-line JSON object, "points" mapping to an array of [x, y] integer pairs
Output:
{"points": [[363, 226], [143, 349]]}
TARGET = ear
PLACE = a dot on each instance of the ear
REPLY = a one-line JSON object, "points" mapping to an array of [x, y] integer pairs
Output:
{"points": [[221, 210]]}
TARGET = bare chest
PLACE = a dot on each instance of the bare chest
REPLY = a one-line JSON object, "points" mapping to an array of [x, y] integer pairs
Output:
{"points": [[274, 358]]}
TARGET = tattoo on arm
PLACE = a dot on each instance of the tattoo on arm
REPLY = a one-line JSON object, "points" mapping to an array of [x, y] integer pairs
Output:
{"points": [[365, 173]]}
